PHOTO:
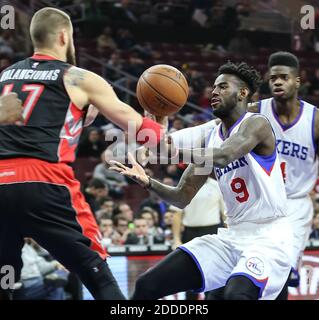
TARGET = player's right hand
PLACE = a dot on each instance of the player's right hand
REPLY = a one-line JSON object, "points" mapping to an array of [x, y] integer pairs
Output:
{"points": [[10, 109], [136, 173], [163, 120]]}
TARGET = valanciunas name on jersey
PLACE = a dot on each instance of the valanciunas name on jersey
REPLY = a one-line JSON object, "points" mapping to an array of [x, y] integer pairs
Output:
{"points": [[29, 74]]}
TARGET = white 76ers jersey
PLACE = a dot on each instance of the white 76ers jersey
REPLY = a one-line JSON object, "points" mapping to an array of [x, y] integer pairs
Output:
{"points": [[296, 148], [252, 186]]}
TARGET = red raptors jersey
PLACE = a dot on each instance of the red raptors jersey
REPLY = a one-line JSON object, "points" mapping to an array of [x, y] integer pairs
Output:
{"points": [[53, 124]]}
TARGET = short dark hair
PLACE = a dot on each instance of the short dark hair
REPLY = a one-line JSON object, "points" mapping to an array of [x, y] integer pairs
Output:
{"points": [[96, 183], [283, 58], [44, 25], [249, 75], [119, 217]]}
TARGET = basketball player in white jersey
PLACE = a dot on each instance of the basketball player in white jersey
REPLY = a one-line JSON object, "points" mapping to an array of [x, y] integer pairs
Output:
{"points": [[251, 257], [296, 126]]}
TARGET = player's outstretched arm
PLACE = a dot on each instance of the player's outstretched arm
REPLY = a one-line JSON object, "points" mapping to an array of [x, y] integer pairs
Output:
{"points": [[90, 88], [85, 87], [253, 132], [179, 196]]}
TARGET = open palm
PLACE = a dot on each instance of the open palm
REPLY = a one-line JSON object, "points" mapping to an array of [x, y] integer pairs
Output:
{"points": [[136, 173]]}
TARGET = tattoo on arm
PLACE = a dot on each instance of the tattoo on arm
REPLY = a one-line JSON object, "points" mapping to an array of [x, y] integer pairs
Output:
{"points": [[74, 76]]}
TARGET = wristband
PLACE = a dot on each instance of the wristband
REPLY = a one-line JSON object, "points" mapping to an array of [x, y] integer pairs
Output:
{"points": [[152, 136]]}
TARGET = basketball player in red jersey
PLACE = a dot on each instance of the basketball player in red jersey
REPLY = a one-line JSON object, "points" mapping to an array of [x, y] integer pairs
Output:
{"points": [[40, 198]]}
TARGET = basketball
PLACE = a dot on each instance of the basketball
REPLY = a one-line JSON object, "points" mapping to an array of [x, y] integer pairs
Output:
{"points": [[162, 90]]}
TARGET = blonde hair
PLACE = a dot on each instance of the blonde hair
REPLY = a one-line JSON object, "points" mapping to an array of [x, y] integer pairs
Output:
{"points": [[44, 26]]}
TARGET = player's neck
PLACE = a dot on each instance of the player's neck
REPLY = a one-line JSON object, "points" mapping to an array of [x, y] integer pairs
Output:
{"points": [[231, 119], [51, 53], [288, 107]]}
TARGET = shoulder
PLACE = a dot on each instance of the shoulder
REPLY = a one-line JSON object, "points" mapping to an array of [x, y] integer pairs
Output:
{"points": [[255, 123], [253, 107]]}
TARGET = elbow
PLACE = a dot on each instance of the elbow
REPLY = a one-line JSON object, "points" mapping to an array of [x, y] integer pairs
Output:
{"points": [[183, 204], [184, 201]]}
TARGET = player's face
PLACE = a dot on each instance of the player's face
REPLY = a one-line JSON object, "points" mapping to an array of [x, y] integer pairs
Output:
{"points": [[70, 51], [283, 83], [224, 95]]}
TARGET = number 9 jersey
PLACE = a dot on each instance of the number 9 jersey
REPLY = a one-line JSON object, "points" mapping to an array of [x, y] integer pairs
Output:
{"points": [[52, 123], [252, 186]]}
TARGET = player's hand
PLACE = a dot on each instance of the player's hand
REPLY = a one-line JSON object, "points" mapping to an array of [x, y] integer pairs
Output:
{"points": [[11, 109], [143, 155], [136, 173], [163, 120]]}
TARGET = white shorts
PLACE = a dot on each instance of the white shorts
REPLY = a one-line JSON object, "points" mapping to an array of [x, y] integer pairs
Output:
{"points": [[261, 252], [300, 215]]}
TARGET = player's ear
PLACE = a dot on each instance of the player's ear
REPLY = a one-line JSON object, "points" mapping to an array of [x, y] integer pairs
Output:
{"points": [[63, 37], [297, 82], [243, 94]]}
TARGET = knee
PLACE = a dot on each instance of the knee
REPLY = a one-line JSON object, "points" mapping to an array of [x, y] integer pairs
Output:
{"points": [[144, 288], [241, 288]]}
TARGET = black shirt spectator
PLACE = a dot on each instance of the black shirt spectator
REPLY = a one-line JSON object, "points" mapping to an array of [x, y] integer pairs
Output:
{"points": [[91, 144]]}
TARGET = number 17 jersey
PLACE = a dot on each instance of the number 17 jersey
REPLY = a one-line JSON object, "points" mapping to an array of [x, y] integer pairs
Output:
{"points": [[252, 186], [52, 123]]}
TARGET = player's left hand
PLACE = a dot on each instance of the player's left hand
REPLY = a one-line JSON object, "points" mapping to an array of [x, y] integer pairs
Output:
{"points": [[136, 173]]}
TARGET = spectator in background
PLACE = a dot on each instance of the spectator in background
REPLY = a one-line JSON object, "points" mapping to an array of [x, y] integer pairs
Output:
{"points": [[106, 208], [168, 224], [196, 80], [115, 61], [125, 39], [34, 274], [91, 144], [121, 226], [114, 180], [105, 41], [125, 210], [157, 204], [135, 66], [107, 231], [140, 233], [305, 84], [177, 124], [315, 227], [205, 99], [173, 171], [94, 192], [155, 233]]}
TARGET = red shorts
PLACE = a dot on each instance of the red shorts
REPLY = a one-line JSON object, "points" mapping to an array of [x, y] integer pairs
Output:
{"points": [[56, 200]]}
